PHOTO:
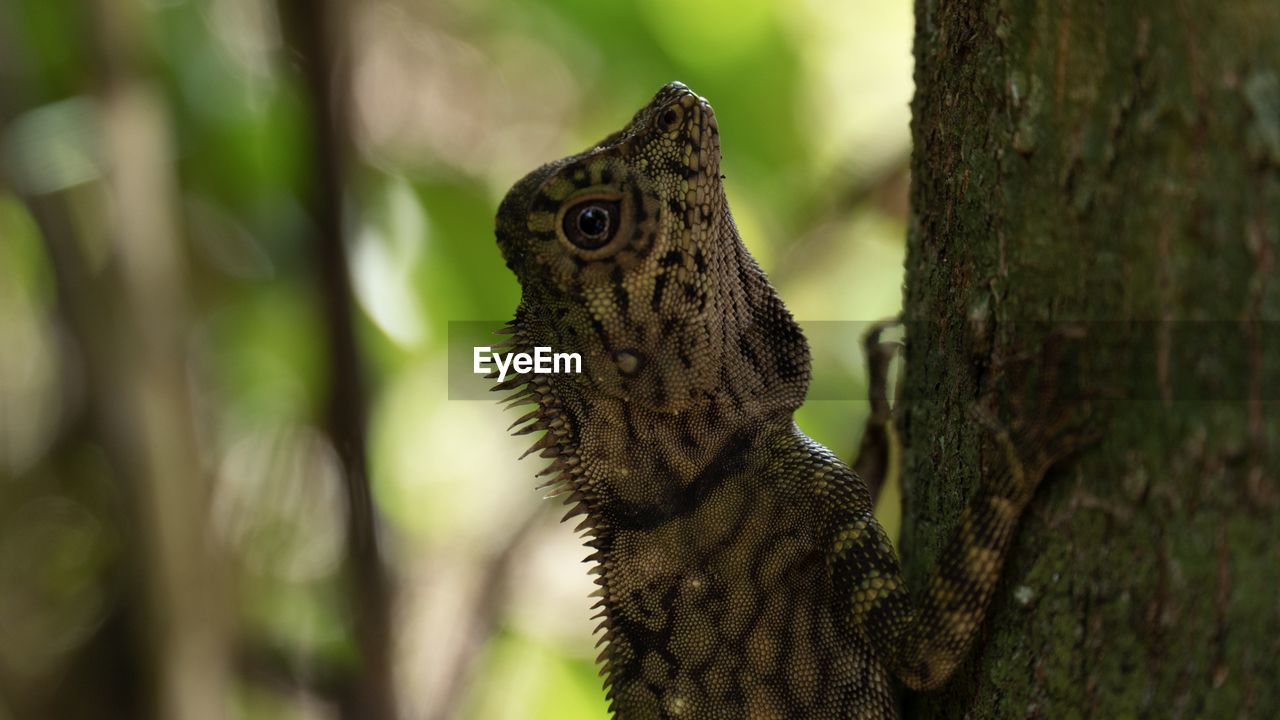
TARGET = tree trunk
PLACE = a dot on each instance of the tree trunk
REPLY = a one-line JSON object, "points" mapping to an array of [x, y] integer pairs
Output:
{"points": [[1115, 165]]}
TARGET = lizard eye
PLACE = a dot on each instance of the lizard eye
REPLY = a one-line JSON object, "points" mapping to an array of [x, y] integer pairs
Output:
{"points": [[591, 224], [670, 118]]}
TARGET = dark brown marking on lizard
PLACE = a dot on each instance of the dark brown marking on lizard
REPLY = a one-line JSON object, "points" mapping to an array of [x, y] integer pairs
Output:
{"points": [[620, 295], [659, 286], [679, 502]]}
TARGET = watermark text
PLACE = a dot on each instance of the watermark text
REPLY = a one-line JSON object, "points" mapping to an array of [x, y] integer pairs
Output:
{"points": [[542, 361]]}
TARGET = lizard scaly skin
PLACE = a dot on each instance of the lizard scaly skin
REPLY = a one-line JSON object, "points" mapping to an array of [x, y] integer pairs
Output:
{"points": [[741, 571]]}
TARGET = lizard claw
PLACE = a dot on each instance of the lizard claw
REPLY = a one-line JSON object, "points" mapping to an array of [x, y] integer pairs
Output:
{"points": [[872, 463], [1049, 418]]}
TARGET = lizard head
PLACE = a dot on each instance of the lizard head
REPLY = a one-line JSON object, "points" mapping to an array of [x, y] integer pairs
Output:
{"points": [[626, 253]]}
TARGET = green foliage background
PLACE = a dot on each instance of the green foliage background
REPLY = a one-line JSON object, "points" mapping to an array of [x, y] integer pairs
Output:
{"points": [[451, 103]]}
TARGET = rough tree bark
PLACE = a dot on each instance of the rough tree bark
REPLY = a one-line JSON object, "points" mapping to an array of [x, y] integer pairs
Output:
{"points": [[1117, 165]]}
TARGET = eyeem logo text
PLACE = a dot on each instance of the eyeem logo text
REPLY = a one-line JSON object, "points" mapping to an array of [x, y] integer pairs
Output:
{"points": [[541, 361]]}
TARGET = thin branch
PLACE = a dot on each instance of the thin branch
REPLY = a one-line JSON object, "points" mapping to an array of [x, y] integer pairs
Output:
{"points": [[313, 29], [829, 212], [486, 614]]}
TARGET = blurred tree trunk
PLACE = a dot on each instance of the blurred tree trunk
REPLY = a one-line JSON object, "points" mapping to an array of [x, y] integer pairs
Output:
{"points": [[121, 280], [1118, 165]]}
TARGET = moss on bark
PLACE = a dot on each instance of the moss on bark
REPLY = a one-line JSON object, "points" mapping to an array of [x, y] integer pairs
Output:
{"points": [[1115, 164]]}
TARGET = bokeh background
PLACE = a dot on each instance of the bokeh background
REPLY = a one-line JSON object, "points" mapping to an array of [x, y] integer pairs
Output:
{"points": [[177, 509]]}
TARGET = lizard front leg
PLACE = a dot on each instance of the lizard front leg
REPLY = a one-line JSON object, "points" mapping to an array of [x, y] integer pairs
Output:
{"points": [[923, 641]]}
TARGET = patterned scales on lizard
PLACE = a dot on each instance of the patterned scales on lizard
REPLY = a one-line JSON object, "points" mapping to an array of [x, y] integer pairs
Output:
{"points": [[741, 571]]}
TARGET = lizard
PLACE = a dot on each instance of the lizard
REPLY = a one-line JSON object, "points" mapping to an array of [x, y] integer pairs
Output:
{"points": [[740, 570]]}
